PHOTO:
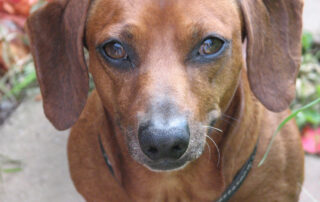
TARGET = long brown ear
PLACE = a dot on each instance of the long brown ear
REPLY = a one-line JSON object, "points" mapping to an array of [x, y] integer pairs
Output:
{"points": [[56, 34], [273, 30]]}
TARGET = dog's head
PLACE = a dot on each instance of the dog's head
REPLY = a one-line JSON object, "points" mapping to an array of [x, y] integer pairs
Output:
{"points": [[165, 69]]}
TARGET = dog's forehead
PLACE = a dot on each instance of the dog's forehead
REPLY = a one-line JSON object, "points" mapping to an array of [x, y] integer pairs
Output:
{"points": [[218, 16]]}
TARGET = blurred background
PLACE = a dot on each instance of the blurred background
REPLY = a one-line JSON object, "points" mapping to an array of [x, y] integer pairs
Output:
{"points": [[33, 159]]}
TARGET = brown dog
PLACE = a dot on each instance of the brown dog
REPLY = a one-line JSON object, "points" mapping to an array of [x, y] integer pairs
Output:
{"points": [[173, 109]]}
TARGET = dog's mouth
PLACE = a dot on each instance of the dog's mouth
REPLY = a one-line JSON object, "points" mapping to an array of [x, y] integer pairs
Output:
{"points": [[166, 165]]}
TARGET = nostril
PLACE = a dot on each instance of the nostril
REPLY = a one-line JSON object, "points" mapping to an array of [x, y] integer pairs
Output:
{"points": [[176, 148], [152, 150]]}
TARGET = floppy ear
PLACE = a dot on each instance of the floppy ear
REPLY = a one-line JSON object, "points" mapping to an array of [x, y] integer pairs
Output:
{"points": [[56, 34], [273, 29]]}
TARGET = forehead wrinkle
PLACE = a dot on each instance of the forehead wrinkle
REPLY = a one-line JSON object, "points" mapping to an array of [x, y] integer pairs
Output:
{"points": [[127, 33], [192, 32], [203, 26], [196, 31], [123, 31], [202, 19], [220, 16], [146, 20], [99, 21]]}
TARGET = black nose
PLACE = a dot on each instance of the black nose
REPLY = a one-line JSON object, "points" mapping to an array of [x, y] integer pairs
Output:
{"points": [[164, 142]]}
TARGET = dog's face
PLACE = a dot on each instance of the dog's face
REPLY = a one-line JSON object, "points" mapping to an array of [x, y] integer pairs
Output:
{"points": [[167, 69]]}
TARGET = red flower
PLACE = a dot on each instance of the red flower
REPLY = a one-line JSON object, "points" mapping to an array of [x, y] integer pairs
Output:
{"points": [[311, 140]]}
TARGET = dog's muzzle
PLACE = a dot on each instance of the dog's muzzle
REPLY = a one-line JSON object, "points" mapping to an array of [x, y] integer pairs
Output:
{"points": [[164, 143]]}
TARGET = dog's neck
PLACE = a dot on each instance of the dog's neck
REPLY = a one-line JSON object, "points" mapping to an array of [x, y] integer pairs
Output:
{"points": [[235, 144], [242, 131]]}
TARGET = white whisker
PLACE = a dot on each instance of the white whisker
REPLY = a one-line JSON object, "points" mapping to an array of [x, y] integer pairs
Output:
{"points": [[209, 150], [226, 120], [217, 129], [230, 117], [215, 144]]}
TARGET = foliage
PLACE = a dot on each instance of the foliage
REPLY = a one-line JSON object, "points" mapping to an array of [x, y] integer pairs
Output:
{"points": [[308, 83], [17, 71], [284, 122], [8, 165], [306, 107]]}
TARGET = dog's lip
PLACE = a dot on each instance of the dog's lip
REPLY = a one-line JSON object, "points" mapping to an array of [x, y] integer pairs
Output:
{"points": [[167, 164]]}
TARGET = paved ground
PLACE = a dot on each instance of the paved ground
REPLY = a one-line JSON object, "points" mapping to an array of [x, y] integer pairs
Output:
{"points": [[311, 187], [28, 136], [311, 17]]}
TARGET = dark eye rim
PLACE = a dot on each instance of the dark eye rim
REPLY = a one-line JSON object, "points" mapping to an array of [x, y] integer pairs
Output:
{"points": [[106, 56], [212, 39], [195, 57], [122, 63]]}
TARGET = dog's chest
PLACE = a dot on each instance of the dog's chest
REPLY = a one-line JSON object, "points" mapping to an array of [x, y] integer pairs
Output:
{"points": [[170, 193], [173, 188]]}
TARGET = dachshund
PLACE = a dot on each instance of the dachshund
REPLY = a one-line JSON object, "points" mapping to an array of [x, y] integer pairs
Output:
{"points": [[187, 96]]}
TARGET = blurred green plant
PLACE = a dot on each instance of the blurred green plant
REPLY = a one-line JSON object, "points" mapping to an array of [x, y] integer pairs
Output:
{"points": [[308, 83], [307, 41], [306, 107], [20, 70], [8, 165], [20, 73], [38, 5], [310, 49], [294, 114]]}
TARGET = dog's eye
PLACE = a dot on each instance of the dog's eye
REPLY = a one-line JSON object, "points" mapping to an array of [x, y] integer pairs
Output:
{"points": [[209, 49], [211, 46], [115, 50], [119, 55]]}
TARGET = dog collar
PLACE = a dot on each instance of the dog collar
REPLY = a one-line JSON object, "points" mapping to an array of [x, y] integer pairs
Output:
{"points": [[238, 179], [232, 188], [105, 156]]}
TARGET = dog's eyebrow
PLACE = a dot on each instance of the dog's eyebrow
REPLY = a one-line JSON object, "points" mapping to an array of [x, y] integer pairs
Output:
{"points": [[196, 33], [127, 32]]}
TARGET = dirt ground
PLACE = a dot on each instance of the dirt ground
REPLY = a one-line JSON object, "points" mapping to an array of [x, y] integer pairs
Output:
{"points": [[27, 136]]}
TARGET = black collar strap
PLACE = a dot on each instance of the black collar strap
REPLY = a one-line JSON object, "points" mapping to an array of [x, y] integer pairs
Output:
{"points": [[105, 156], [238, 179], [232, 188]]}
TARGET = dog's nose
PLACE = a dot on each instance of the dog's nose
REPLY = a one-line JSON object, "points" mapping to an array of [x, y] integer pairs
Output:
{"points": [[168, 141]]}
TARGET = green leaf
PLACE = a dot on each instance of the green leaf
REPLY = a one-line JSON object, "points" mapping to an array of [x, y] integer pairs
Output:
{"points": [[318, 90], [291, 116], [307, 41], [17, 88], [312, 117], [11, 170], [38, 5], [301, 120], [8, 165]]}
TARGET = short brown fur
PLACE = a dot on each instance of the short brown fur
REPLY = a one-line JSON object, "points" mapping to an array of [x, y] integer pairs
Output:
{"points": [[162, 34]]}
